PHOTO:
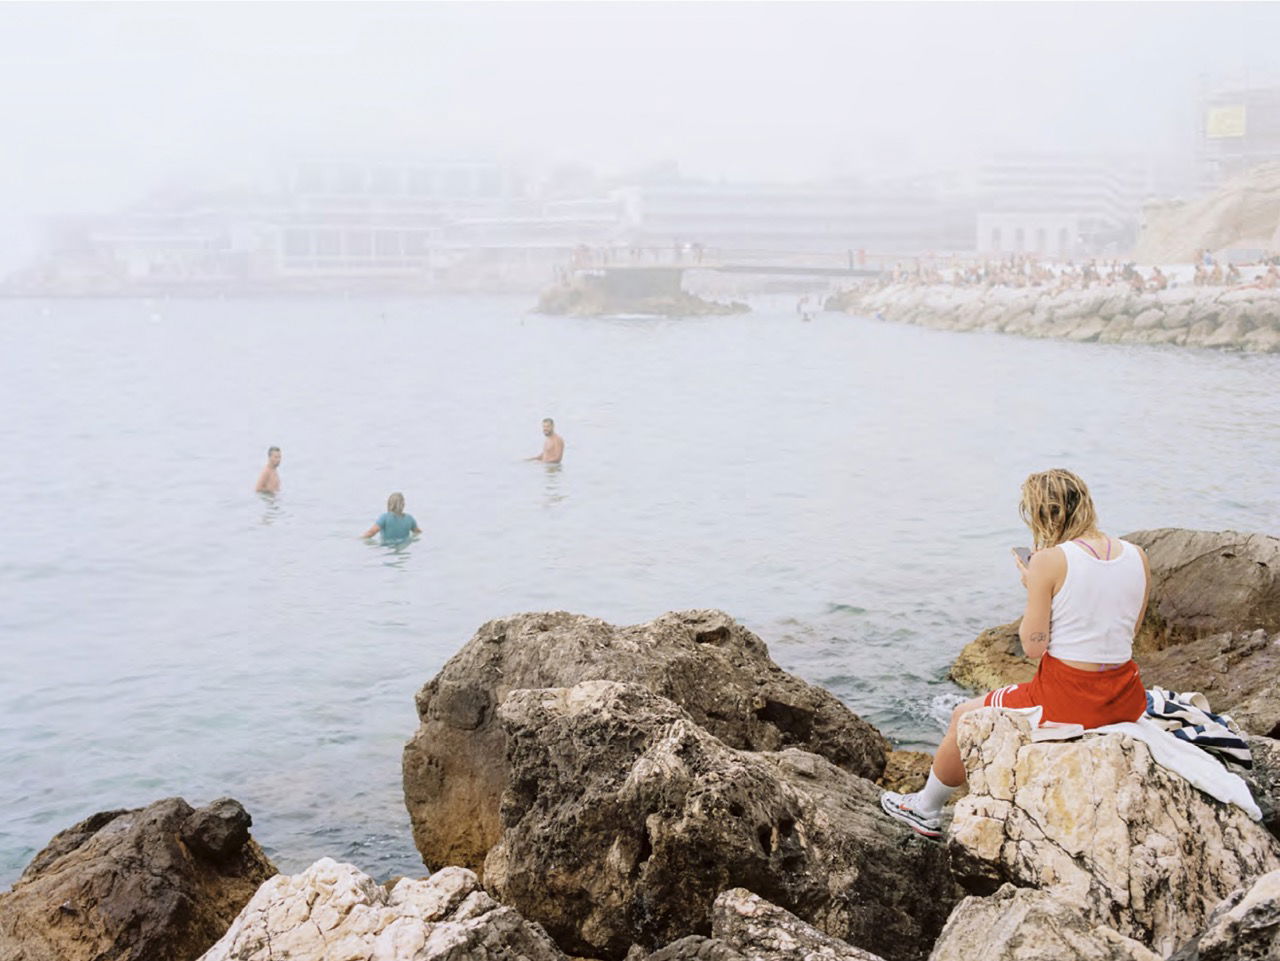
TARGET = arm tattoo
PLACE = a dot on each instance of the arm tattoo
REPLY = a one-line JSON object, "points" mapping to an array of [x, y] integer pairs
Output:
{"points": [[1039, 637]]}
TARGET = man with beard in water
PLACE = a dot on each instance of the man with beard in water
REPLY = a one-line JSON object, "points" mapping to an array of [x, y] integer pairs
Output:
{"points": [[553, 446]]}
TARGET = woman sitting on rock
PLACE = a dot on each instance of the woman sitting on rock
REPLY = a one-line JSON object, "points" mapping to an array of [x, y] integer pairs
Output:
{"points": [[1086, 596]]}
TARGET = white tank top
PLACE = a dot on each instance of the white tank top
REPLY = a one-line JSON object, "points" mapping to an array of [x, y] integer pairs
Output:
{"points": [[1096, 610]]}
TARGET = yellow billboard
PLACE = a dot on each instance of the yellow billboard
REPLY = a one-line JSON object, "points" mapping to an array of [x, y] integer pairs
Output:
{"points": [[1225, 122]]}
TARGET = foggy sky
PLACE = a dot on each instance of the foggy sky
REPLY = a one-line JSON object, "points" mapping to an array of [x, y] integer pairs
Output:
{"points": [[99, 102]]}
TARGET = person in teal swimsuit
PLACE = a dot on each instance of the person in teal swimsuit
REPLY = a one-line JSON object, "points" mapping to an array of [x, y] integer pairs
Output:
{"points": [[396, 526]]}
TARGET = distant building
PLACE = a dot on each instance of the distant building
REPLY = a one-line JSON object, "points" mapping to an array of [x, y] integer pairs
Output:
{"points": [[343, 219], [1059, 206], [1239, 129], [788, 219]]}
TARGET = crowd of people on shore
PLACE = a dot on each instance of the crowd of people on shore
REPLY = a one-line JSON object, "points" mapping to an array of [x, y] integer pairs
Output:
{"points": [[1021, 270]]}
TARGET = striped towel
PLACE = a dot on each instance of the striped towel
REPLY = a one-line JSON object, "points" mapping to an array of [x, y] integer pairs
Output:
{"points": [[1187, 717]]}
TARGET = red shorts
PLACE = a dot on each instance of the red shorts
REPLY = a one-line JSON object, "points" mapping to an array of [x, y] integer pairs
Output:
{"points": [[1072, 696]]}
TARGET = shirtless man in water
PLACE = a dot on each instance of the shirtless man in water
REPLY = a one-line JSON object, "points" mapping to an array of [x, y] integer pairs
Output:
{"points": [[553, 446], [269, 479]]}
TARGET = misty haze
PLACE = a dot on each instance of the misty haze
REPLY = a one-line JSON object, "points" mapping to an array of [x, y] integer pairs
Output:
{"points": [[663, 479]]}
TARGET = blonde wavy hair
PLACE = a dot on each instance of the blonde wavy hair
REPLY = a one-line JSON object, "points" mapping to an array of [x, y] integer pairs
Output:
{"points": [[395, 503], [1057, 507]]}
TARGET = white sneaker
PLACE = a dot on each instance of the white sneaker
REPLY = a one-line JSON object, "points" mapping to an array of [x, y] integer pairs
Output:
{"points": [[900, 807]]}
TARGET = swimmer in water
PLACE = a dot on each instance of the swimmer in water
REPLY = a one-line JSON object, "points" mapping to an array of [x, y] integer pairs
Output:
{"points": [[396, 526], [553, 446], [269, 479]]}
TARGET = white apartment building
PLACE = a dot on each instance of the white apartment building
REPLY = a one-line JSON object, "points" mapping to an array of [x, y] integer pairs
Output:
{"points": [[1059, 206], [346, 219]]}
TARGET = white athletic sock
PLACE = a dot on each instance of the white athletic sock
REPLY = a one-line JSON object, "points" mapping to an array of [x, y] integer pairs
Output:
{"points": [[932, 796]]}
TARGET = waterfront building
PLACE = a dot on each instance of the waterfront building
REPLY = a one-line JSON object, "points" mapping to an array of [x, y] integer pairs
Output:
{"points": [[782, 219], [347, 220], [1059, 206]]}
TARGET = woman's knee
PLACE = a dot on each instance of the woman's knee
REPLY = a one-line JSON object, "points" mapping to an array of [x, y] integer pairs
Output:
{"points": [[965, 707]]}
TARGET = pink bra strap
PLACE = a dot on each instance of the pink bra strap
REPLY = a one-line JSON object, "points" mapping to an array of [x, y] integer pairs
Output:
{"points": [[1091, 550]]}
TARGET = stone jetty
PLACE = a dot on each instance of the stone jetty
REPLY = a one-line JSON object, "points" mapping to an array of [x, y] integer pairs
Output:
{"points": [[1218, 317]]}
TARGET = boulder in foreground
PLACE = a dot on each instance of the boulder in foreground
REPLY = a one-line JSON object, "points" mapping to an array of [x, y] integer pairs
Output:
{"points": [[1245, 927], [625, 819], [160, 882], [1099, 825], [455, 767], [1024, 924], [333, 912]]}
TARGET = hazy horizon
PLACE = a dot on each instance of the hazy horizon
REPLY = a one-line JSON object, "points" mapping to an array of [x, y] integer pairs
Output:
{"points": [[103, 103]]}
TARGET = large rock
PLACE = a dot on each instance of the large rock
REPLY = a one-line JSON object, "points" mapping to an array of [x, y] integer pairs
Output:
{"points": [[1209, 582], [746, 927], [160, 882], [1245, 927], [762, 931], [993, 659], [455, 769], [1242, 210], [625, 819], [1101, 826], [333, 912], [1238, 672], [1202, 583], [1023, 924]]}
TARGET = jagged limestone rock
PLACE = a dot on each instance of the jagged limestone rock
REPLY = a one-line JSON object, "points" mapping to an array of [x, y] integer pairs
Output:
{"points": [[455, 767], [1025, 924], [1101, 826], [334, 912], [1244, 927], [624, 820]]}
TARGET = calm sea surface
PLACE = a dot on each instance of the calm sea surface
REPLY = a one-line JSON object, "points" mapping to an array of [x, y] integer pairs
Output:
{"points": [[846, 488]]}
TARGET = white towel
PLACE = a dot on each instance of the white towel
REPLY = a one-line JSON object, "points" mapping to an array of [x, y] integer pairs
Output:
{"points": [[1183, 758]]}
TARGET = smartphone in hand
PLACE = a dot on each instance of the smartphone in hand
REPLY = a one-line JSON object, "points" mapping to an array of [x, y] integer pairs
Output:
{"points": [[1024, 555]]}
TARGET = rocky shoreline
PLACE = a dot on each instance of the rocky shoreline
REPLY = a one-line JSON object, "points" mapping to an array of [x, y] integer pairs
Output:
{"points": [[1217, 317], [666, 792]]}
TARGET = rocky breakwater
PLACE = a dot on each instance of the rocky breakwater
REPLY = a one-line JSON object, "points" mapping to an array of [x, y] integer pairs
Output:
{"points": [[160, 882], [1225, 318]]}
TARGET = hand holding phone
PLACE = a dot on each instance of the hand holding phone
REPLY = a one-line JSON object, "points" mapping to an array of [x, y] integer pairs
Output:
{"points": [[1023, 554]]}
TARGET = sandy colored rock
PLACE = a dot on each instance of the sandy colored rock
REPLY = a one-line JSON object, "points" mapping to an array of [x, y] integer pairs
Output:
{"points": [[762, 931], [160, 882], [1025, 924], [334, 912], [625, 819], [1099, 825], [1208, 582], [1238, 672], [993, 659], [1245, 927], [455, 765], [1245, 209], [905, 771]]}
